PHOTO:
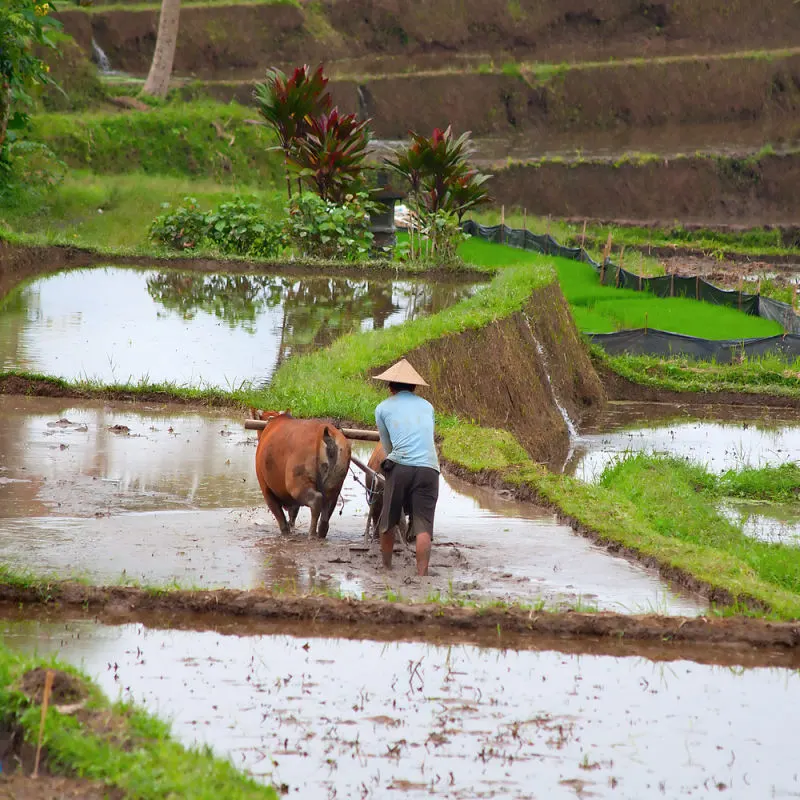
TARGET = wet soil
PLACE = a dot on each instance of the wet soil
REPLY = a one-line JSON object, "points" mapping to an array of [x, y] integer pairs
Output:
{"points": [[121, 493], [359, 718], [695, 189], [619, 388]]}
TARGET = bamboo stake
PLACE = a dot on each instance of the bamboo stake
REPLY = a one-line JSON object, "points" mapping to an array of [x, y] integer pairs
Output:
{"points": [[583, 236], [524, 219], [48, 688], [502, 224]]}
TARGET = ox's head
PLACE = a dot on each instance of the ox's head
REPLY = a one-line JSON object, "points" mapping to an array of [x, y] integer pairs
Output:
{"points": [[268, 416]]}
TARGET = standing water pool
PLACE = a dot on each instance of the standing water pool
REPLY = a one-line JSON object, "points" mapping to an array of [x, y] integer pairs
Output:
{"points": [[117, 325]]}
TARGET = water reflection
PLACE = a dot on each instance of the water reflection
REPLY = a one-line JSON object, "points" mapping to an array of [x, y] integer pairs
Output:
{"points": [[118, 325]]}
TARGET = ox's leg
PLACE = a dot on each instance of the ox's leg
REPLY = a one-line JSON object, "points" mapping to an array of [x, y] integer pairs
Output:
{"points": [[316, 502], [277, 509], [293, 515]]}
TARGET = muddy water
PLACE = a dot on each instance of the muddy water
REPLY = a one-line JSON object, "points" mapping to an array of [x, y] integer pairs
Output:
{"points": [[720, 438], [120, 325], [769, 522], [340, 718], [159, 495]]}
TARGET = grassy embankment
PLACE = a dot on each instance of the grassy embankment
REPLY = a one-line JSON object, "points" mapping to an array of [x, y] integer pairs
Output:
{"points": [[116, 745]]}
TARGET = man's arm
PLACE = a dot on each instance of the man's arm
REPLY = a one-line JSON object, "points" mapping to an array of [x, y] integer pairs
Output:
{"points": [[384, 432]]}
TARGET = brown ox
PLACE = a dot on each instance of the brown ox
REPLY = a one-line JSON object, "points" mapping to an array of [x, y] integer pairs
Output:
{"points": [[375, 494], [300, 462]]}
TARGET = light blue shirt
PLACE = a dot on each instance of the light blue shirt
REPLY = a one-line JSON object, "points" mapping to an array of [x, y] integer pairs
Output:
{"points": [[405, 423]]}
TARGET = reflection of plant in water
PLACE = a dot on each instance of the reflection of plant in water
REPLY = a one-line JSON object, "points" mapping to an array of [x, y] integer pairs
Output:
{"points": [[316, 311], [235, 299]]}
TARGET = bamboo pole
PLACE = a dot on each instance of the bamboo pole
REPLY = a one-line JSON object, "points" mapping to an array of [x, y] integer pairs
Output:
{"points": [[350, 433], [583, 236], [367, 470], [502, 224], [524, 219], [48, 688]]}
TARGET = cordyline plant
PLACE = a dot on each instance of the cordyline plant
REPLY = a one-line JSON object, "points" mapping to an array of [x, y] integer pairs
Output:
{"points": [[331, 154], [442, 188], [289, 105]]}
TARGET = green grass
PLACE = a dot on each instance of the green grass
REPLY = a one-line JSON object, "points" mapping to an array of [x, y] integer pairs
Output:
{"points": [[114, 212], [201, 139], [134, 752], [673, 497], [776, 484]]}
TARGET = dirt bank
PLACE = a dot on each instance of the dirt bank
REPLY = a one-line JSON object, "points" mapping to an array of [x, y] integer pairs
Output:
{"points": [[242, 40], [617, 98], [619, 388], [420, 621], [497, 375], [698, 189]]}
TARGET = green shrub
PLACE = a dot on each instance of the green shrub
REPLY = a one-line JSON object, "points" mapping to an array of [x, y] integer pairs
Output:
{"points": [[182, 229], [237, 227], [322, 229]]}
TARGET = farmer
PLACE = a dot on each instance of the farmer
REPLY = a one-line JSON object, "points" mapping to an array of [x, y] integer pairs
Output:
{"points": [[405, 424]]}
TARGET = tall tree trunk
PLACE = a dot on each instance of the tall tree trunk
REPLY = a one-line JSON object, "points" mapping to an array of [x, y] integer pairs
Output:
{"points": [[157, 82]]}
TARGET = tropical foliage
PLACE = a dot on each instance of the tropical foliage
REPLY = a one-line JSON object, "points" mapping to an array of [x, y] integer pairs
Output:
{"points": [[289, 104], [23, 25], [235, 228], [442, 187], [323, 229]]}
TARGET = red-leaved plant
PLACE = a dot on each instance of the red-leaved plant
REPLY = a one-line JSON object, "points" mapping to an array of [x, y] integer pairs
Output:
{"points": [[290, 104], [331, 154], [442, 187]]}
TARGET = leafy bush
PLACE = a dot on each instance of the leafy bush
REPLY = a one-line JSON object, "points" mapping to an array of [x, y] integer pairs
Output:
{"points": [[323, 229], [29, 168], [183, 229], [237, 228]]}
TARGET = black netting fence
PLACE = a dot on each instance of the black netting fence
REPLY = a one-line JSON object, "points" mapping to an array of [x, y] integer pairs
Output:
{"points": [[663, 343]]}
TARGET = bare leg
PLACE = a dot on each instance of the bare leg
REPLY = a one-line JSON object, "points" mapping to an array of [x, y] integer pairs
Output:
{"points": [[423, 553], [387, 546]]}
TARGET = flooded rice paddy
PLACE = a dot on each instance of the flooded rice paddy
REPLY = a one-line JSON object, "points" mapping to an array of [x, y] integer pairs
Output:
{"points": [[159, 496], [118, 325], [333, 718], [719, 438]]}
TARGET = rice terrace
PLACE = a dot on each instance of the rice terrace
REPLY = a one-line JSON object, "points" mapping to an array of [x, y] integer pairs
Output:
{"points": [[399, 399]]}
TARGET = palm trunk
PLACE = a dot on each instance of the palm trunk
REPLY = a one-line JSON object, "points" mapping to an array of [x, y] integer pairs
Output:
{"points": [[157, 83]]}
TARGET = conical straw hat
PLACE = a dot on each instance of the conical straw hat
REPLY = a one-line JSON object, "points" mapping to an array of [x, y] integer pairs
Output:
{"points": [[401, 372]]}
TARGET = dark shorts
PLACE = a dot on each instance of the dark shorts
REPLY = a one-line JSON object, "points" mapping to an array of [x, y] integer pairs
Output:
{"points": [[413, 491]]}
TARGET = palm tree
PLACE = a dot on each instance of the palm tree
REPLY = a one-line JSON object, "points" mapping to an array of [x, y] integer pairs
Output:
{"points": [[157, 83]]}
